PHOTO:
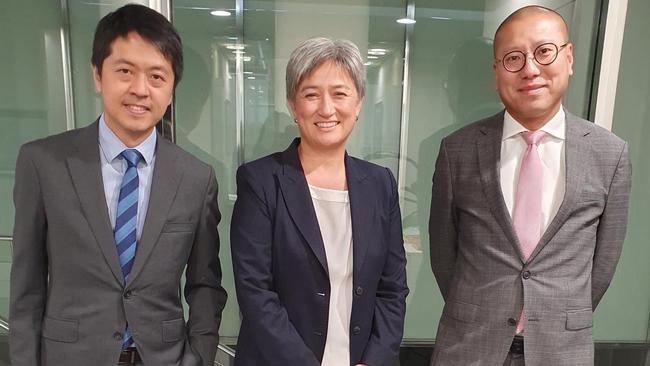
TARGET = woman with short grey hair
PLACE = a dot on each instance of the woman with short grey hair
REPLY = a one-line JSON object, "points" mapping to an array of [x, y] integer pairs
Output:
{"points": [[316, 234]]}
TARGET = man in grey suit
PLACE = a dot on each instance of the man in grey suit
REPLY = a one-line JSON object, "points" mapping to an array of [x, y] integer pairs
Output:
{"points": [[528, 213], [108, 217]]}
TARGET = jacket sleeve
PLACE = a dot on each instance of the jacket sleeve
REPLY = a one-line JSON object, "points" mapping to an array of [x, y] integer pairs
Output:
{"points": [[611, 229], [28, 283], [203, 291], [251, 239], [390, 303], [442, 224]]}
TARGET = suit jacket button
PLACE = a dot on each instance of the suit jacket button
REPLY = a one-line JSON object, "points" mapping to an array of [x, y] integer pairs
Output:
{"points": [[117, 336], [512, 322], [127, 295], [359, 291], [526, 275], [356, 329]]}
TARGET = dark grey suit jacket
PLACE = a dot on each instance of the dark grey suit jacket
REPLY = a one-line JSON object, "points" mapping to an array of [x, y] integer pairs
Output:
{"points": [[69, 302], [479, 267]]}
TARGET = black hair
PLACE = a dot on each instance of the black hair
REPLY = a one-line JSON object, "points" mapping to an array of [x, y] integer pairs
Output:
{"points": [[146, 22]]}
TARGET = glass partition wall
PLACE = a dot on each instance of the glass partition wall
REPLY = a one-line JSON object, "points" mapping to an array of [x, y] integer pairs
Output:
{"points": [[629, 297], [206, 119], [231, 107], [32, 102], [32, 105], [424, 80]]}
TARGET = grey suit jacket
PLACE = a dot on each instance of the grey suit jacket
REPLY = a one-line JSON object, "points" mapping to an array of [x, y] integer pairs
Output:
{"points": [[69, 303], [479, 267]]}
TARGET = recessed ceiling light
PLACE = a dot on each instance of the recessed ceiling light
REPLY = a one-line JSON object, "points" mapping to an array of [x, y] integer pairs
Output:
{"points": [[250, 77], [247, 58], [441, 18], [234, 46], [372, 57], [220, 13], [406, 21]]}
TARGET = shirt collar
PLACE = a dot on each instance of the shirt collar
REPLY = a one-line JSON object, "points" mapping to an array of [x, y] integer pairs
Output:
{"points": [[555, 127], [112, 146]]}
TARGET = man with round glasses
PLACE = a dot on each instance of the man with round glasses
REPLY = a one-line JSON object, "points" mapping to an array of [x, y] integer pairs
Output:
{"points": [[528, 212]]}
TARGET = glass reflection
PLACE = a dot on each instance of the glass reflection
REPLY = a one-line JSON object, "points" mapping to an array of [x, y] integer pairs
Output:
{"points": [[273, 28], [451, 85], [32, 101], [5, 269], [205, 113]]}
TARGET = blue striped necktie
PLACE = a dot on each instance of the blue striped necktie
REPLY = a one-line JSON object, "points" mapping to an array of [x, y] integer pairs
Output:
{"points": [[126, 221]]}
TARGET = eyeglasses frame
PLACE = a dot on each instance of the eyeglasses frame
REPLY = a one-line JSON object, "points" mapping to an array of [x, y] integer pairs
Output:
{"points": [[559, 49]]}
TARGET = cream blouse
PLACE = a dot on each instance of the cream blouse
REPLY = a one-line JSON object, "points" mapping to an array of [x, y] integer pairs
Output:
{"points": [[333, 214]]}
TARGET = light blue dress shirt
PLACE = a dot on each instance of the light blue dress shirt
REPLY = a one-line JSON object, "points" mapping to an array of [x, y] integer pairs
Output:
{"points": [[114, 166]]}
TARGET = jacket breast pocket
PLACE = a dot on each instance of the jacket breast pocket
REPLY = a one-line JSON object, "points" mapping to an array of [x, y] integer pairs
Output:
{"points": [[173, 330], [461, 311], [579, 319], [178, 227], [60, 330]]}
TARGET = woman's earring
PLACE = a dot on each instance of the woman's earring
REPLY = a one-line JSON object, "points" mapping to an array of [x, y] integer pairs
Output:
{"points": [[357, 118]]}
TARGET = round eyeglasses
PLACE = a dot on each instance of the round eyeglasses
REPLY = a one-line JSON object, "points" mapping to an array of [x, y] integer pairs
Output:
{"points": [[544, 54]]}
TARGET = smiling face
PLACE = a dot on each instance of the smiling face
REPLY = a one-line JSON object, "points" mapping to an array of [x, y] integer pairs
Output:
{"points": [[136, 86], [326, 106], [534, 94]]}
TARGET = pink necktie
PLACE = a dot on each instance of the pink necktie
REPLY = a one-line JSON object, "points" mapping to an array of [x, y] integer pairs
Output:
{"points": [[527, 211]]}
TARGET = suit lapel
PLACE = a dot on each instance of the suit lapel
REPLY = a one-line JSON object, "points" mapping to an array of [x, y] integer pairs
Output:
{"points": [[361, 211], [85, 172], [576, 151], [489, 157], [166, 178], [299, 204]]}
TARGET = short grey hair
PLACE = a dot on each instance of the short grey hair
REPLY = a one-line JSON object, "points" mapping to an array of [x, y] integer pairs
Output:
{"points": [[315, 51]]}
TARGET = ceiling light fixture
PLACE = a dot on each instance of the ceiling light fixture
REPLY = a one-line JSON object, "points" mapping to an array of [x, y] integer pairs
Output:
{"points": [[406, 21], [220, 13], [234, 46]]}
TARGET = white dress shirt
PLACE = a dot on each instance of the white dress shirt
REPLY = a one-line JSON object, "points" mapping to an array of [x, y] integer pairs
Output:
{"points": [[333, 213], [551, 153]]}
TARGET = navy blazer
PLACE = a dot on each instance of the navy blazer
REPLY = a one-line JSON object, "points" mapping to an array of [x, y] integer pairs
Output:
{"points": [[280, 267]]}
